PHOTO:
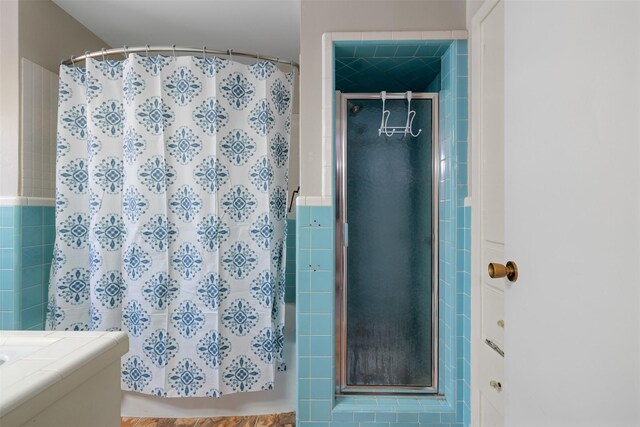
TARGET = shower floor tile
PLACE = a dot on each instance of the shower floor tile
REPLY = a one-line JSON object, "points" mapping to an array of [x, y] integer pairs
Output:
{"points": [[271, 420]]}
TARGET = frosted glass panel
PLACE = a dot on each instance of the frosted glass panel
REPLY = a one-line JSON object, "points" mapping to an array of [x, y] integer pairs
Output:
{"points": [[389, 275]]}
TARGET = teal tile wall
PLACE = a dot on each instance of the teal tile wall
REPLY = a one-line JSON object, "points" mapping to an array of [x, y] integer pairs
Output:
{"points": [[9, 267], [317, 405], [314, 313], [455, 242], [27, 234]]}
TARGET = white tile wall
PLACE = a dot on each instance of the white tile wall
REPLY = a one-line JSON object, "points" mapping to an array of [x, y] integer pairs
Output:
{"points": [[38, 130], [26, 201], [314, 201]]}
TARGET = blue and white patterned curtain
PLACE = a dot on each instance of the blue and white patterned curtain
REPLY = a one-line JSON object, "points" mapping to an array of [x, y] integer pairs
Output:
{"points": [[170, 215]]}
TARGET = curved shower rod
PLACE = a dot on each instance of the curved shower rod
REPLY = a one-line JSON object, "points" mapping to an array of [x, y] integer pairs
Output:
{"points": [[125, 50]]}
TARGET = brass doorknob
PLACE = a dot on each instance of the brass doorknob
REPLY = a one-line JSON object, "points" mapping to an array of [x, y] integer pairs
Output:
{"points": [[510, 271]]}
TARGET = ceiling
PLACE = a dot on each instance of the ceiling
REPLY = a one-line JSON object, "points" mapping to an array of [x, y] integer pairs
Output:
{"points": [[269, 27], [395, 66]]}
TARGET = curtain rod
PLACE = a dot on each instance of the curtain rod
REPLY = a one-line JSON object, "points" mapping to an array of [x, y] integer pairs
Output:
{"points": [[146, 49]]}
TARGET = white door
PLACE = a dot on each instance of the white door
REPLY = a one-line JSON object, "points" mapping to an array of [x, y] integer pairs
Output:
{"points": [[572, 213], [487, 51]]}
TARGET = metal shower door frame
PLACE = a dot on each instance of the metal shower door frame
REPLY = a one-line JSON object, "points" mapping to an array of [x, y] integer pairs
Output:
{"points": [[341, 386]]}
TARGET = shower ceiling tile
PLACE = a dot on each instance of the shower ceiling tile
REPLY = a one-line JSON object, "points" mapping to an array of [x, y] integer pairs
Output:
{"points": [[433, 66], [380, 61], [394, 66], [406, 50], [343, 82], [383, 64], [344, 51], [365, 51], [407, 66], [429, 51], [386, 51], [360, 65], [341, 63], [430, 60]]}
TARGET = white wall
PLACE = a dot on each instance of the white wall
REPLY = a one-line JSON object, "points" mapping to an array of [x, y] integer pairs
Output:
{"points": [[320, 16], [9, 99], [572, 172], [44, 34], [472, 8], [48, 34]]}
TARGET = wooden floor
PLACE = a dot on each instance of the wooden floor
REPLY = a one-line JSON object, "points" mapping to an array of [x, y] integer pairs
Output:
{"points": [[273, 420]]}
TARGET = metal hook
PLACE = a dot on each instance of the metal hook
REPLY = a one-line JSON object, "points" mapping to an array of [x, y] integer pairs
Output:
{"points": [[173, 47], [73, 61], [126, 51], [103, 50], [411, 114], [407, 129], [230, 51], [146, 49], [204, 52]]}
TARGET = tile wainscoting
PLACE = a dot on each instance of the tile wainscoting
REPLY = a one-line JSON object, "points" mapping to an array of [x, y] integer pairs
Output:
{"points": [[27, 235]]}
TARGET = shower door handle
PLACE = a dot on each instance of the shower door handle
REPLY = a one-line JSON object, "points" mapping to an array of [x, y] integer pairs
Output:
{"points": [[345, 234]]}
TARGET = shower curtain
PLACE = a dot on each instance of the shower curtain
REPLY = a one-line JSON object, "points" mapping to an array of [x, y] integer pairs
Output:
{"points": [[171, 218]]}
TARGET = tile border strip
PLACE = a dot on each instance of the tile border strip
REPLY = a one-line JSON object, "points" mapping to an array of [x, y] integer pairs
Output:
{"points": [[26, 201]]}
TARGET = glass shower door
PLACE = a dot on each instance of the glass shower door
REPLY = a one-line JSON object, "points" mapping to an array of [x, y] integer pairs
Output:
{"points": [[389, 281]]}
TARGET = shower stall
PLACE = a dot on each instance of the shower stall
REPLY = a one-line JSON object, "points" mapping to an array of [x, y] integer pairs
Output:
{"points": [[387, 169]]}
